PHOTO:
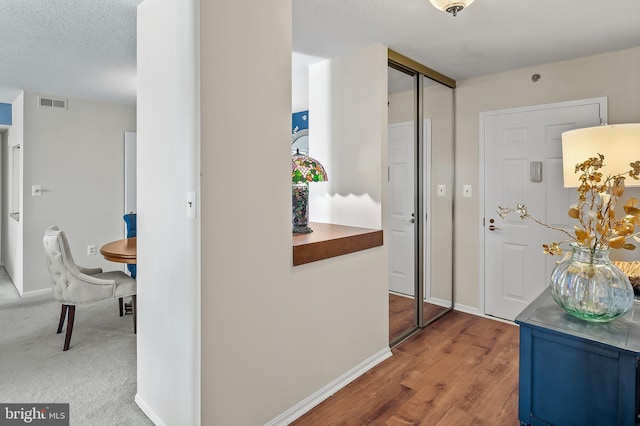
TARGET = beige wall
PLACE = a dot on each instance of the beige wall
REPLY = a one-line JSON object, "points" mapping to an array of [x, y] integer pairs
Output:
{"points": [[272, 334], [615, 75]]}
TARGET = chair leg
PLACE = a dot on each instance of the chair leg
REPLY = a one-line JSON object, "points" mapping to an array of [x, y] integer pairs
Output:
{"points": [[71, 315], [63, 313], [134, 307], [121, 306]]}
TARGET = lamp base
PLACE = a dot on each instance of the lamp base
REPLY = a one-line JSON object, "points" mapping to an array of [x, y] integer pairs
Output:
{"points": [[300, 205], [304, 229]]}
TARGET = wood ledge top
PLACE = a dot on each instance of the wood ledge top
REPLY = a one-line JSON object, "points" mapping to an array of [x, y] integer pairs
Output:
{"points": [[328, 240]]}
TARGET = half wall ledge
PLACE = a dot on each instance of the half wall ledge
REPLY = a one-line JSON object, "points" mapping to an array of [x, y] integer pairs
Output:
{"points": [[328, 240]]}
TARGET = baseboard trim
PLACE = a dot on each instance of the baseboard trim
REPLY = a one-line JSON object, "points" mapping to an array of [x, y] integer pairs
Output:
{"points": [[395, 293], [316, 398], [439, 302], [467, 309], [432, 300], [475, 311], [148, 411], [35, 293]]}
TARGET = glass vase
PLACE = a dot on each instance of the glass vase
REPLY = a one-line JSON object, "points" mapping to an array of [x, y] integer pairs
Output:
{"points": [[588, 286]]}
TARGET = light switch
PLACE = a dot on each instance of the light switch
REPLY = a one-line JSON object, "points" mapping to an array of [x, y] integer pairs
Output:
{"points": [[36, 190], [191, 204], [442, 190], [466, 191]]}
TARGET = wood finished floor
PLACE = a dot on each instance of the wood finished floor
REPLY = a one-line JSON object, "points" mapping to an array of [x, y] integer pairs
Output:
{"points": [[402, 314], [460, 370]]}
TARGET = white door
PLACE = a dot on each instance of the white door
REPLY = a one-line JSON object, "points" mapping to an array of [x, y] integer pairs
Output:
{"points": [[401, 196], [515, 269]]}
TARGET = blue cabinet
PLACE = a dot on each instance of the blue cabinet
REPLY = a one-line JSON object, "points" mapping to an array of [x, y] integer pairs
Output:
{"points": [[574, 372]]}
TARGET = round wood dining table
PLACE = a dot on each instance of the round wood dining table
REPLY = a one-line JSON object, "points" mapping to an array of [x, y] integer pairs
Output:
{"points": [[122, 251]]}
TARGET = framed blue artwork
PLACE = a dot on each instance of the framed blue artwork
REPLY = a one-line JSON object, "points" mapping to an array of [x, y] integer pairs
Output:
{"points": [[299, 121], [300, 132], [5, 114]]}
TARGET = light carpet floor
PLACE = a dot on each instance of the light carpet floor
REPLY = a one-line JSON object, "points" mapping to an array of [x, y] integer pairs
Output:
{"points": [[96, 376]]}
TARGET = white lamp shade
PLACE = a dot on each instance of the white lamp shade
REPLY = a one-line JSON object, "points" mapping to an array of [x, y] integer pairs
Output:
{"points": [[619, 143], [445, 4]]}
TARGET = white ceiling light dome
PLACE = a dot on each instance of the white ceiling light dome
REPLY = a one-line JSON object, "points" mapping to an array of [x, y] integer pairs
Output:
{"points": [[451, 6]]}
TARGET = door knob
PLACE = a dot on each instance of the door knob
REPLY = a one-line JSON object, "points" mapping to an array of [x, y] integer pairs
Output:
{"points": [[493, 228], [412, 220]]}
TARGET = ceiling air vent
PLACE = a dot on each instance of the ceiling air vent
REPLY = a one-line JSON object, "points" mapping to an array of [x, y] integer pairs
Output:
{"points": [[52, 103]]}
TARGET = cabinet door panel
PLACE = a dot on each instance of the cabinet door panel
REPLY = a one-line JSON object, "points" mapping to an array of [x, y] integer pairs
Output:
{"points": [[579, 382]]}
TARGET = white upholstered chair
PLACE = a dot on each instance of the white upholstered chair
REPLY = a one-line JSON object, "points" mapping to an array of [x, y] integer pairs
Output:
{"points": [[74, 285]]}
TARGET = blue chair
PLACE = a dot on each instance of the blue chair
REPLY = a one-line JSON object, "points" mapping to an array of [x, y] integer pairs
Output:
{"points": [[130, 221]]}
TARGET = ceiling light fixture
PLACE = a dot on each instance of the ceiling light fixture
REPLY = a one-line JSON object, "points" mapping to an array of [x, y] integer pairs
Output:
{"points": [[451, 6]]}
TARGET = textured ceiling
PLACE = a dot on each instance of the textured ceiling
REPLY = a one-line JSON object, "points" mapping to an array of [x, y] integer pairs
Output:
{"points": [[489, 36], [79, 48], [87, 48]]}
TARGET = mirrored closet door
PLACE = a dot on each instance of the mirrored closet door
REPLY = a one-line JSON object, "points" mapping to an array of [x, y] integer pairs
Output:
{"points": [[402, 136], [420, 157]]}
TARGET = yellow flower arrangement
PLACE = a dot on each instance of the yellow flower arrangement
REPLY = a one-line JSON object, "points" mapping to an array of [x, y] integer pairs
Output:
{"points": [[598, 227]]}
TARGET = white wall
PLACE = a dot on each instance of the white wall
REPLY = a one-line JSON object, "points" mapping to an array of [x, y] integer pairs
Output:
{"points": [[347, 98], [12, 244], [272, 334], [615, 75], [168, 256], [77, 155], [300, 80]]}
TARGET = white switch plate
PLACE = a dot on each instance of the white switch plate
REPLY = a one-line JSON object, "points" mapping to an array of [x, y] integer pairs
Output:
{"points": [[36, 190], [442, 190], [466, 191], [91, 250]]}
